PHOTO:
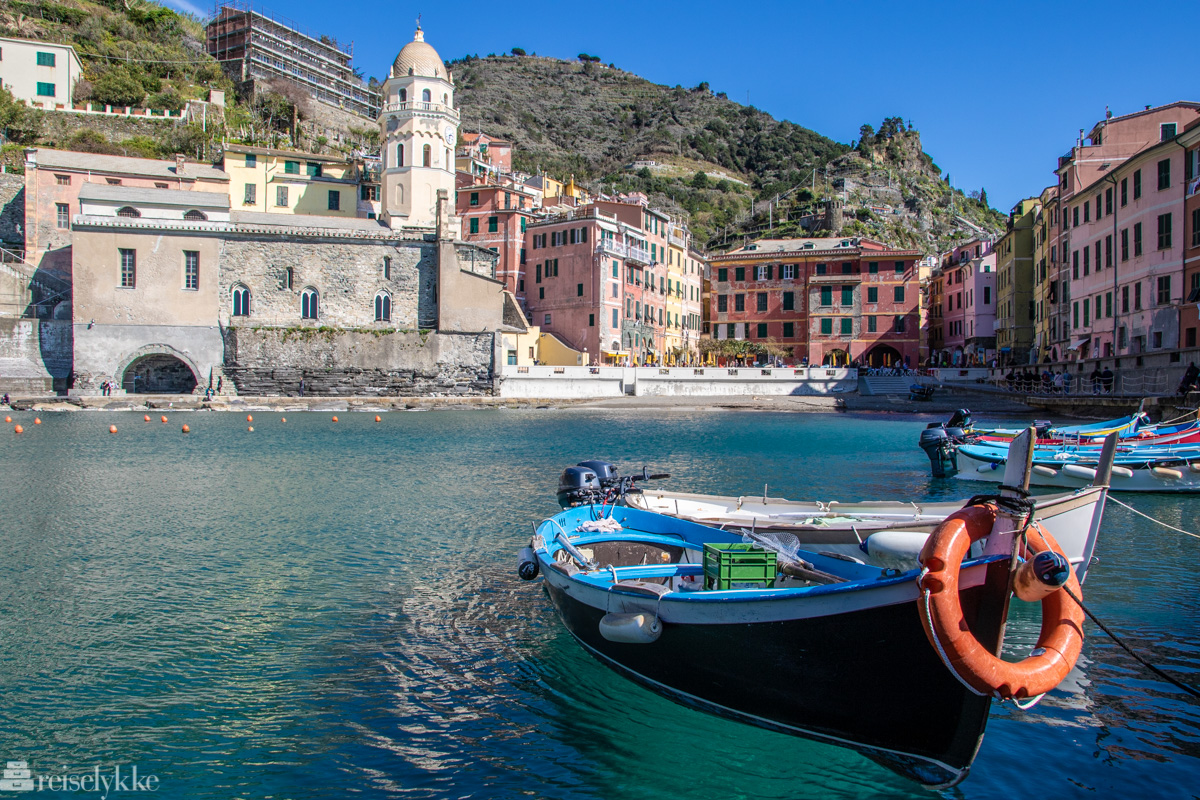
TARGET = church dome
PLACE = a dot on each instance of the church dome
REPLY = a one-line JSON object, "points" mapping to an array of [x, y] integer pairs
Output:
{"points": [[419, 58]]}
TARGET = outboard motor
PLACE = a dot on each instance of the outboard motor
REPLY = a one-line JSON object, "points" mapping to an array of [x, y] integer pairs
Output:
{"points": [[939, 446], [605, 471], [578, 486], [960, 419], [1042, 428]]}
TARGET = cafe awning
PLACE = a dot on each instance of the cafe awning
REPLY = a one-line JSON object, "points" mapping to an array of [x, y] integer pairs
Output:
{"points": [[1079, 344]]}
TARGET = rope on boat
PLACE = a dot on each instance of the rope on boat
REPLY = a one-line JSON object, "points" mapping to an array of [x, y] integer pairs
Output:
{"points": [[1192, 690], [1152, 519]]}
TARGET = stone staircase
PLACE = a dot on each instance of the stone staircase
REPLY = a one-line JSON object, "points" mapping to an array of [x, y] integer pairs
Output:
{"points": [[876, 385]]}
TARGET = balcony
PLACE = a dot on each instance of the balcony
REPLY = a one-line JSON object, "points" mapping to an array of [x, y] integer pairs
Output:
{"points": [[678, 241], [415, 107], [611, 247], [639, 255]]}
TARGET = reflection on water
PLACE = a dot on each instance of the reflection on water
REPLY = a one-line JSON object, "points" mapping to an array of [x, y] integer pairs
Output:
{"points": [[312, 610]]}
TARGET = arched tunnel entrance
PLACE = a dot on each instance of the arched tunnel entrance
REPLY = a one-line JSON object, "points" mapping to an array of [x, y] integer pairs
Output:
{"points": [[158, 374]]}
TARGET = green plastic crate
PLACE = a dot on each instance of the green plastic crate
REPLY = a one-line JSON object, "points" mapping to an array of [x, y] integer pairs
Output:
{"points": [[738, 566]]}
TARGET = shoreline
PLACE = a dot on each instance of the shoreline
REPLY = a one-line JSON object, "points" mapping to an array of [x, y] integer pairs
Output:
{"points": [[775, 403]]}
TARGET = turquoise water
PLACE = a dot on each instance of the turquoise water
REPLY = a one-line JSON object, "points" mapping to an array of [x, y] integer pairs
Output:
{"points": [[318, 610]]}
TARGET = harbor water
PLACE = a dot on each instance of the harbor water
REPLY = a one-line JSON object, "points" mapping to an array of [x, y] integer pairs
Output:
{"points": [[318, 609]]}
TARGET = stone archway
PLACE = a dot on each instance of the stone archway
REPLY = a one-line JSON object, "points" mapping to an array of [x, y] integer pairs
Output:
{"points": [[882, 355], [158, 369], [837, 358]]}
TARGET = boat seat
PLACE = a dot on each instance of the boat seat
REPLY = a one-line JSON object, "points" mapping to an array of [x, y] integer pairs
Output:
{"points": [[645, 587]]}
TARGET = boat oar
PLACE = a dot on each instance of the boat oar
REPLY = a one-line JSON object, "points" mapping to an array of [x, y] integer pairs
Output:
{"points": [[790, 564]]}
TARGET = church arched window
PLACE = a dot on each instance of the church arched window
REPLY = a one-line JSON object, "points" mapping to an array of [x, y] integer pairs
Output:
{"points": [[308, 304], [427, 156], [404, 95], [383, 307], [241, 301], [426, 96], [399, 155]]}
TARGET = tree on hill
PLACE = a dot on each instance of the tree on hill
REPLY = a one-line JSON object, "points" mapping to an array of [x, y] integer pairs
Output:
{"points": [[518, 51], [18, 122]]}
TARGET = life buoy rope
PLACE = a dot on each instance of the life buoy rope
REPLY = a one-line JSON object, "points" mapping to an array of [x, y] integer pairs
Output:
{"points": [[983, 672]]}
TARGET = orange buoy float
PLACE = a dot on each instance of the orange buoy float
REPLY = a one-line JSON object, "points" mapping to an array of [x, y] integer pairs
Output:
{"points": [[18, 429], [335, 419], [186, 429], [37, 420], [8, 419], [1058, 644], [283, 419], [112, 428], [164, 419], [378, 418], [249, 418], [251, 429], [146, 418]]}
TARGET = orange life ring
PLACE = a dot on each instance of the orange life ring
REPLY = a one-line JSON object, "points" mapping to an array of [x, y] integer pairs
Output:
{"points": [[1059, 642]]}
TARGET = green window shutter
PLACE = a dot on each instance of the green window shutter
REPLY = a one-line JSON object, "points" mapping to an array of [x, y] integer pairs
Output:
{"points": [[826, 295], [474, 225], [827, 325], [847, 325], [847, 296]]}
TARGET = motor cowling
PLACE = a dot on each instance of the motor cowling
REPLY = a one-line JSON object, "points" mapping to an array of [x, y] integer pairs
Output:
{"points": [[578, 486], [605, 471], [960, 419], [938, 444]]}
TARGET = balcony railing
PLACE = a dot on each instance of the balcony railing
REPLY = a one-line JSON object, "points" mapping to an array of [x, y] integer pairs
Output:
{"points": [[639, 255], [428, 108], [612, 247], [678, 241]]}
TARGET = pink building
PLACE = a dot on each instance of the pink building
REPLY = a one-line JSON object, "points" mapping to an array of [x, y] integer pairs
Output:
{"points": [[596, 277], [1126, 254], [495, 217], [968, 304], [53, 179], [1117, 262]]}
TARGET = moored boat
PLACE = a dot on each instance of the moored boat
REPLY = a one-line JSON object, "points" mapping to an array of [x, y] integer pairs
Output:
{"points": [[900, 666]]}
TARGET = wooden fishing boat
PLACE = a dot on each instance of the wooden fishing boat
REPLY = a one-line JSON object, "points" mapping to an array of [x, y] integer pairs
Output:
{"points": [[894, 665]]}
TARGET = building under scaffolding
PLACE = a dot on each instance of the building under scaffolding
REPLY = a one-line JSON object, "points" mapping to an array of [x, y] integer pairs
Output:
{"points": [[254, 46]]}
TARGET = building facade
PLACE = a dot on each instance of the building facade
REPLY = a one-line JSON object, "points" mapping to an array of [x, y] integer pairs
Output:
{"points": [[40, 73], [1189, 319], [1015, 308], [291, 182], [251, 45], [820, 301], [495, 217], [967, 314]]}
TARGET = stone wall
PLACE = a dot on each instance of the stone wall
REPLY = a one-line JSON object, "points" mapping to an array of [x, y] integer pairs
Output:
{"points": [[12, 211], [346, 274], [272, 361], [58, 127], [35, 355]]}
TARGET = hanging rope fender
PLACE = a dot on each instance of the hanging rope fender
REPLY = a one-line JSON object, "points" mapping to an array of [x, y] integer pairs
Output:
{"points": [[1059, 642]]}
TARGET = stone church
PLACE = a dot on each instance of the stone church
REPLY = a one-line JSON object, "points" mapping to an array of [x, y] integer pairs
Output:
{"points": [[175, 289]]}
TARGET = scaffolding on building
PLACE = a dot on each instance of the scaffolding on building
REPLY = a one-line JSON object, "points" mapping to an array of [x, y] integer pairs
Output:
{"points": [[250, 43]]}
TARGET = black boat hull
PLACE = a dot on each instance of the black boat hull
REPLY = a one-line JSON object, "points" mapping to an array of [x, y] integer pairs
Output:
{"points": [[867, 679]]}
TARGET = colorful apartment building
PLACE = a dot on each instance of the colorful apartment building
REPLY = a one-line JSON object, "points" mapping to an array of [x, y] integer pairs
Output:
{"points": [[496, 217], [483, 155], [823, 301], [1189, 320], [292, 182], [1127, 255], [604, 280], [967, 314], [1045, 246], [1015, 306]]}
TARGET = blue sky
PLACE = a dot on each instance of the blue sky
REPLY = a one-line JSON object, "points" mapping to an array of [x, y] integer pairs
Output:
{"points": [[998, 90]]}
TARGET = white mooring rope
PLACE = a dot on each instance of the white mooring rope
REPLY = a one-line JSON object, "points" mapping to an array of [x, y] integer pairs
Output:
{"points": [[1152, 519]]}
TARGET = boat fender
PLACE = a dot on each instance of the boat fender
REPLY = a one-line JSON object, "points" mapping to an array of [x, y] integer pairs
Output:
{"points": [[896, 548], [1077, 471], [976, 666], [527, 564], [1124, 472], [1166, 473], [630, 628], [1194, 466], [1041, 470], [1046, 572], [987, 468]]}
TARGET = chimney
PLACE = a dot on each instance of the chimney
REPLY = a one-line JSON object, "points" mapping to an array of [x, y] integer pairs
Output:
{"points": [[179, 164]]}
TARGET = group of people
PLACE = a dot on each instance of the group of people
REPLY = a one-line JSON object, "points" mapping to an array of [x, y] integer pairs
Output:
{"points": [[106, 388]]}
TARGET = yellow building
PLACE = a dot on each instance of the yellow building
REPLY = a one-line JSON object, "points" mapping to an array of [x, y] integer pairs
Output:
{"points": [[290, 182], [1044, 285], [1015, 306]]}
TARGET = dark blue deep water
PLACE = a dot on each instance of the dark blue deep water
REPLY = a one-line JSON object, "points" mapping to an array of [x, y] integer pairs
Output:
{"points": [[316, 610]]}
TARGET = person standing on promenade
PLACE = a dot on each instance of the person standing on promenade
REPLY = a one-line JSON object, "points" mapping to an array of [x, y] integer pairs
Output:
{"points": [[1096, 380], [1106, 378], [1191, 377]]}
